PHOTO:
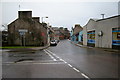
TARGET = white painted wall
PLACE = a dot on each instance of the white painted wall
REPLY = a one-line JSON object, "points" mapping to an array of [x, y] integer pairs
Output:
{"points": [[106, 27], [88, 27], [84, 35]]}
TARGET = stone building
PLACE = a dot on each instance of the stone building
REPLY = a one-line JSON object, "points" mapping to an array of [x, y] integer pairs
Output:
{"points": [[56, 33], [61, 33], [64, 33], [27, 30], [51, 33]]}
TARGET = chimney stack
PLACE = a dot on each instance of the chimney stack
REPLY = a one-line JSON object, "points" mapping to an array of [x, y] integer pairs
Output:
{"points": [[103, 15], [36, 19], [25, 14]]}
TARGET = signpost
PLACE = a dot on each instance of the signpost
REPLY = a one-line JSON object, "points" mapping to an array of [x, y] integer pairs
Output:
{"points": [[22, 33]]}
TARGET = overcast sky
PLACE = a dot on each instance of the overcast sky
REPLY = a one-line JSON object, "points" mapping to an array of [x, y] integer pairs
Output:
{"points": [[61, 13]]}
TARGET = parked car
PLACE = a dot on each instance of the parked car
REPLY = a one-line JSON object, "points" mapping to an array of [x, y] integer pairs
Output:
{"points": [[57, 41], [53, 43]]}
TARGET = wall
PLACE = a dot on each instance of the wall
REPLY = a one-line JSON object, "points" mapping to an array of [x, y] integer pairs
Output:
{"points": [[80, 39], [84, 35], [36, 35], [106, 27], [90, 26]]}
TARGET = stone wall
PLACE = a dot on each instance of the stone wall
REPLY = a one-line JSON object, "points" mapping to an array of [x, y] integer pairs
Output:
{"points": [[36, 34]]}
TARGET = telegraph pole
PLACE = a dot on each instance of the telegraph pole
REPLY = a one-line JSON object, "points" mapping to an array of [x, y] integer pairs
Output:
{"points": [[19, 4]]}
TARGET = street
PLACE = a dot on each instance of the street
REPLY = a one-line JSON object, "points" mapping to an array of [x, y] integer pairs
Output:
{"points": [[65, 60]]}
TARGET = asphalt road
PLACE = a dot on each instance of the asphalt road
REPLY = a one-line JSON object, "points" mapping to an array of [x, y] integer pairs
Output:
{"points": [[94, 62], [65, 60]]}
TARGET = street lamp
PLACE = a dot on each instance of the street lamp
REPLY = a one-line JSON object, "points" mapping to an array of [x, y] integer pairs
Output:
{"points": [[42, 18], [4, 27]]}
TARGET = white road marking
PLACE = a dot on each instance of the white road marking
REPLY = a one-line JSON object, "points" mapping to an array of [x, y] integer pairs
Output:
{"points": [[57, 57], [50, 55], [61, 59], [49, 51], [53, 54], [85, 76], [64, 61], [54, 59], [70, 65], [79, 45], [76, 69]]}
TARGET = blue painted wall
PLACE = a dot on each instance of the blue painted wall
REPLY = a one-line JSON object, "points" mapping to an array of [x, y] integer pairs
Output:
{"points": [[74, 37], [80, 36]]}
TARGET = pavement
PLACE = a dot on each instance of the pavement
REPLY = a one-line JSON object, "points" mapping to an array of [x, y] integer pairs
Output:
{"points": [[28, 49], [105, 49]]}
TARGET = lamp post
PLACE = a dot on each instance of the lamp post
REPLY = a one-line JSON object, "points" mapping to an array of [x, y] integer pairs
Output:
{"points": [[47, 28], [4, 27], [42, 18]]}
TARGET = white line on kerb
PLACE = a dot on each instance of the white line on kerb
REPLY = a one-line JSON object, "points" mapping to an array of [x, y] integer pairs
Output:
{"points": [[76, 69], [84, 75], [50, 55]]}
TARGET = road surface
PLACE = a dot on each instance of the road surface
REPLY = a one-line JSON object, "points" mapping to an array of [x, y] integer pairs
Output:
{"points": [[65, 60]]}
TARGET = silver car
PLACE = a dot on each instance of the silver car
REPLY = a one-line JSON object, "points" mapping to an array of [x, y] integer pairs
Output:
{"points": [[53, 43]]}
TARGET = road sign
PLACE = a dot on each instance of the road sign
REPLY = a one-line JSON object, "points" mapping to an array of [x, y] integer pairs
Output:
{"points": [[22, 33], [23, 30]]}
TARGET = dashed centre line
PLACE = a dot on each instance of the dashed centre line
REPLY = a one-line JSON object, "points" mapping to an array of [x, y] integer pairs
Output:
{"points": [[70, 65], [85, 75], [76, 69], [67, 64]]}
